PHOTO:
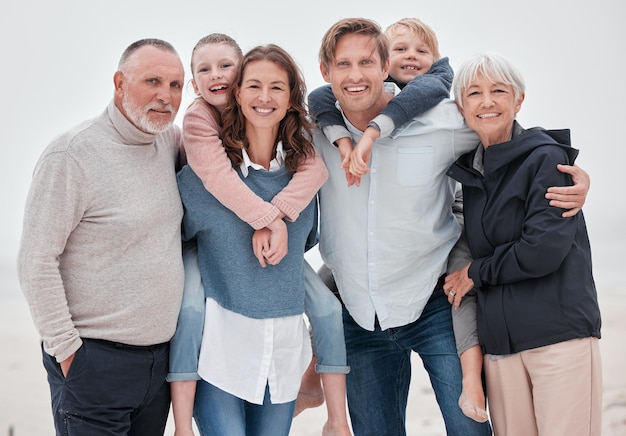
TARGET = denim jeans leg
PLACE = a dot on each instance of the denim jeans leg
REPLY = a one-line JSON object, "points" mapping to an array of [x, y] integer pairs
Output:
{"points": [[432, 337], [269, 419], [378, 381], [185, 345], [381, 369], [323, 310], [217, 412]]}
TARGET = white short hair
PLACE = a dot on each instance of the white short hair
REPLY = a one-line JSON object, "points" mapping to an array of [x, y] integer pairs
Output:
{"points": [[491, 65]]}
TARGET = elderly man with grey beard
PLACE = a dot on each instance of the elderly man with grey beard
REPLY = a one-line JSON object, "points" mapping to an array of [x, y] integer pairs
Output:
{"points": [[100, 256]]}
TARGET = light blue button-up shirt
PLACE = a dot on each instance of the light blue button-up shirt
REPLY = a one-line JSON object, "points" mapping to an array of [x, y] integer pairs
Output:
{"points": [[387, 241]]}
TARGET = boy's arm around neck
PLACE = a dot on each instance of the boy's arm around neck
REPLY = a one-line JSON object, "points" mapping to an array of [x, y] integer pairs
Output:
{"points": [[419, 95]]}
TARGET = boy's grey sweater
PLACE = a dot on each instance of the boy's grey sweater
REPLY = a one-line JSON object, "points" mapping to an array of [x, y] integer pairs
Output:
{"points": [[419, 95]]}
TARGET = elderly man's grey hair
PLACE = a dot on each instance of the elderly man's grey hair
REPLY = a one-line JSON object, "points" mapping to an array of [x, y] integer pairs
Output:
{"points": [[154, 42], [491, 65]]}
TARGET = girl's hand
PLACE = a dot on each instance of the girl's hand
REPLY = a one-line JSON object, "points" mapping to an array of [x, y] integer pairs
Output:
{"points": [[270, 243]]}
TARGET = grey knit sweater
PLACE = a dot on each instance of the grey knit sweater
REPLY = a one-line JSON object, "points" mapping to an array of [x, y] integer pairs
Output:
{"points": [[100, 254]]}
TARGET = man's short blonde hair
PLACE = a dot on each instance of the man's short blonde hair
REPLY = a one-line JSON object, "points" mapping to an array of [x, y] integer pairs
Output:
{"points": [[359, 26]]}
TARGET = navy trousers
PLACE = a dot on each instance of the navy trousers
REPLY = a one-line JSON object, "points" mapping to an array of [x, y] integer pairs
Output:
{"points": [[111, 389]]}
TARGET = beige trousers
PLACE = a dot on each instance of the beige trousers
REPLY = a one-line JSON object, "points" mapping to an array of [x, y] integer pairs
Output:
{"points": [[554, 390]]}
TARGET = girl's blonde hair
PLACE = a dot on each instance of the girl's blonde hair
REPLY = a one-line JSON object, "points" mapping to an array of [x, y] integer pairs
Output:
{"points": [[216, 38]]}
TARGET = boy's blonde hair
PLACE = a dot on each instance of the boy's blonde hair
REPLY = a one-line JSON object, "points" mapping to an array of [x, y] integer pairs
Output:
{"points": [[418, 28]]}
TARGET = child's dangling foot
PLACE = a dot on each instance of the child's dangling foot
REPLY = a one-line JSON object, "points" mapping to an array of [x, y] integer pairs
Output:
{"points": [[311, 393], [472, 408]]}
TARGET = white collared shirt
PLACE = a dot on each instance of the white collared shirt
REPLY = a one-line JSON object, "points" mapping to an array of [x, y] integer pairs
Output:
{"points": [[276, 163], [241, 355]]}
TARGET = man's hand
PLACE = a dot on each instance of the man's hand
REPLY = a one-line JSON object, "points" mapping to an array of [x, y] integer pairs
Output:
{"points": [[66, 364], [570, 197], [270, 243]]}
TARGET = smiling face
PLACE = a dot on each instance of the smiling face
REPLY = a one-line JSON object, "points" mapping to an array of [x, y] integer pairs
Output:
{"points": [[148, 89], [489, 109], [264, 94], [356, 75], [409, 56], [214, 67]]}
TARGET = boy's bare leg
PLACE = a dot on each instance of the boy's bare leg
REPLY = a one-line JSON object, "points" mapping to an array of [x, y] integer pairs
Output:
{"points": [[472, 399], [311, 393], [335, 393]]}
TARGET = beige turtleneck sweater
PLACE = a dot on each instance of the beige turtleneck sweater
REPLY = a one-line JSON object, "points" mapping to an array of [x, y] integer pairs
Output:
{"points": [[100, 254]]}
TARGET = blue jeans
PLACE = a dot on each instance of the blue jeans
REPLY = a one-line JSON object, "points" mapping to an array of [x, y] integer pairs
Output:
{"points": [[219, 413], [321, 306], [323, 310], [111, 389], [380, 362], [185, 344]]}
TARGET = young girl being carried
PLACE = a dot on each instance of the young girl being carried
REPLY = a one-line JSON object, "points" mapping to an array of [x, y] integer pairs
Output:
{"points": [[214, 64]]}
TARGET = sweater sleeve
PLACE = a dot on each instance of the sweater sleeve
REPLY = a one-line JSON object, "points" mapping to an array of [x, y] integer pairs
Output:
{"points": [[302, 187], [54, 207], [206, 156], [546, 237], [419, 95], [322, 108]]}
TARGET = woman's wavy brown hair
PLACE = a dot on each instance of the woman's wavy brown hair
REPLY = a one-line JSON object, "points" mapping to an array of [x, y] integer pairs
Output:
{"points": [[295, 128]]}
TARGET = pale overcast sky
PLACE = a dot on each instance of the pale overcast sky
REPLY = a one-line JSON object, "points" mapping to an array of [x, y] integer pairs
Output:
{"points": [[59, 58]]}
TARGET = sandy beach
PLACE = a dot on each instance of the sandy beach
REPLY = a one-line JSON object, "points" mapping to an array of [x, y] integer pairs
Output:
{"points": [[24, 396]]}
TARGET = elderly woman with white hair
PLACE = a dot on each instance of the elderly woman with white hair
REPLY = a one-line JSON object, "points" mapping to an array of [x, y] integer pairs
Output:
{"points": [[537, 311]]}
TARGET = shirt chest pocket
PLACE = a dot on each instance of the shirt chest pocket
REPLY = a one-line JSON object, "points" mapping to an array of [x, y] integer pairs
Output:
{"points": [[415, 165]]}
